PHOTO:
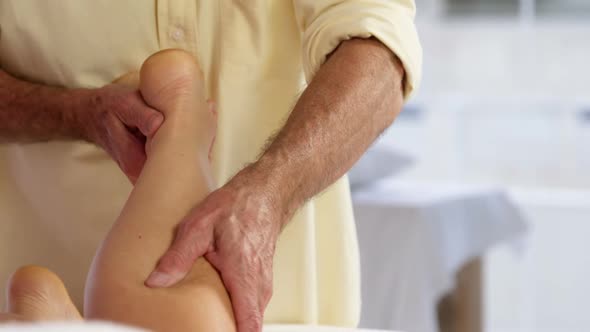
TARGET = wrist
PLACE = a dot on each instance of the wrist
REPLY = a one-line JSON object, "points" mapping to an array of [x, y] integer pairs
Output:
{"points": [[85, 104], [265, 186], [275, 179]]}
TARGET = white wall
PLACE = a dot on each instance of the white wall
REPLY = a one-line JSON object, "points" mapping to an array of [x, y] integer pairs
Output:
{"points": [[505, 58], [501, 102]]}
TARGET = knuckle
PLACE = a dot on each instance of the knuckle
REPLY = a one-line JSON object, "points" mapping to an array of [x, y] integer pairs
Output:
{"points": [[184, 229], [146, 115], [128, 99], [108, 124], [102, 114], [103, 118], [174, 259], [252, 320], [267, 289], [123, 106], [267, 295], [257, 322], [248, 254], [125, 167], [152, 116], [257, 325], [267, 281]]}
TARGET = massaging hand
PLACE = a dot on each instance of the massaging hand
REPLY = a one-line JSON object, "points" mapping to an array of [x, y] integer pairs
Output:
{"points": [[119, 122], [236, 229]]}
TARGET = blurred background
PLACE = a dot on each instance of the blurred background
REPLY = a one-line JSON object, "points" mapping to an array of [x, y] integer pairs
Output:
{"points": [[487, 172]]}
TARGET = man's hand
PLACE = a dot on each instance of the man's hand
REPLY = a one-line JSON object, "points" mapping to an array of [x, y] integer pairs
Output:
{"points": [[115, 117], [236, 229], [119, 121], [354, 96]]}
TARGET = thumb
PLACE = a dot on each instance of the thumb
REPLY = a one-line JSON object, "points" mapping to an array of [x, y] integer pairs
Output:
{"points": [[141, 116], [174, 265], [148, 121]]}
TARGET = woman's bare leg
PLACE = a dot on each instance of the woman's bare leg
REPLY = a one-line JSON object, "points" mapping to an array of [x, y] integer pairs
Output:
{"points": [[37, 294], [175, 177]]}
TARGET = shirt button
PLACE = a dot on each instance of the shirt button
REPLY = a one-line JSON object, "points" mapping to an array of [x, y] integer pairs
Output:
{"points": [[177, 34]]}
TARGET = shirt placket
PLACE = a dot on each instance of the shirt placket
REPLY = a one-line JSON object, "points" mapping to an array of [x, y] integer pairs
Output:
{"points": [[177, 26]]}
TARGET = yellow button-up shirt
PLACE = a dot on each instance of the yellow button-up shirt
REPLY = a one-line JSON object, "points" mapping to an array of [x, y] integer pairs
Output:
{"points": [[58, 199]]}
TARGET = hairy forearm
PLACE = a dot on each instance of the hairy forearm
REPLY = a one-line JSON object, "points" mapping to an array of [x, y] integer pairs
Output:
{"points": [[355, 95], [32, 112]]}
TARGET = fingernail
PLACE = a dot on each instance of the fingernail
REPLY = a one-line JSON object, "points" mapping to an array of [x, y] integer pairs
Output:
{"points": [[160, 119], [155, 124], [159, 279]]}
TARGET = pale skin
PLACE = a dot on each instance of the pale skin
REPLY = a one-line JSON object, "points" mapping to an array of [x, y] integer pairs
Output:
{"points": [[176, 175], [354, 96]]}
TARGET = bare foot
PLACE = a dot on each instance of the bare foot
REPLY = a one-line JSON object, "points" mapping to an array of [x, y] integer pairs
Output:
{"points": [[175, 177], [172, 82], [35, 293]]}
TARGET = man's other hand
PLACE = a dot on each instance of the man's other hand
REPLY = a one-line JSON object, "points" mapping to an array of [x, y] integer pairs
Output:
{"points": [[236, 229], [120, 121]]}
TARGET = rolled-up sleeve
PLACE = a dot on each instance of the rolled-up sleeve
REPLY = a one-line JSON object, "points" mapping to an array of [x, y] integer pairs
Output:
{"points": [[326, 23]]}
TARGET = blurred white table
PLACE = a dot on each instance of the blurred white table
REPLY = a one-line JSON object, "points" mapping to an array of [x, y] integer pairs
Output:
{"points": [[415, 238], [94, 326], [310, 328]]}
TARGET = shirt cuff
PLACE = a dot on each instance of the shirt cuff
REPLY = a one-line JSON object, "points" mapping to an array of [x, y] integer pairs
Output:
{"points": [[391, 24]]}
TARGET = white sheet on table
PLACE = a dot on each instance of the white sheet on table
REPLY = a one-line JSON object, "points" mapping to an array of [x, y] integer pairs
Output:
{"points": [[81, 326], [110, 327], [413, 240]]}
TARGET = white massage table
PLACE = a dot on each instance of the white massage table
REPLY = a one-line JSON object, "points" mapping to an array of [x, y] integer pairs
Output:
{"points": [[108, 327], [415, 238]]}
